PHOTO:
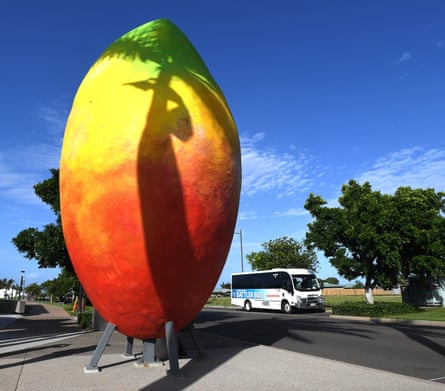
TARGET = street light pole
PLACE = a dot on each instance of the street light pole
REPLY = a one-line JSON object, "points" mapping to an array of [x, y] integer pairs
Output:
{"points": [[22, 277], [240, 233]]}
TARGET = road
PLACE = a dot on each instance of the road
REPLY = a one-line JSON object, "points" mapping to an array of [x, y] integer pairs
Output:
{"points": [[417, 351]]}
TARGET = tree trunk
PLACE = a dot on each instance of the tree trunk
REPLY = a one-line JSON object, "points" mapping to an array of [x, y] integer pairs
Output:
{"points": [[369, 294]]}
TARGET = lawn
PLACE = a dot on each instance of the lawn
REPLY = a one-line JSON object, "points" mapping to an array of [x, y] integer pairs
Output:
{"points": [[430, 313], [330, 300], [336, 300], [219, 301]]}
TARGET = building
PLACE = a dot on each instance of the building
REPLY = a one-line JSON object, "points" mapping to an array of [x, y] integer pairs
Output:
{"points": [[425, 295]]}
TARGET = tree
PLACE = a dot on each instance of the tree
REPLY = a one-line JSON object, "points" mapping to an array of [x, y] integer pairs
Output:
{"points": [[422, 228], [379, 237], [283, 253], [34, 290], [357, 237], [332, 280], [6, 283], [59, 286], [226, 285], [47, 246], [358, 285], [9, 286]]}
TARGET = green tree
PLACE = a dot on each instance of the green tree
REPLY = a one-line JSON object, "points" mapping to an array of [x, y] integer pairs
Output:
{"points": [[332, 280], [226, 285], [379, 237], [34, 289], [11, 288], [358, 237], [358, 285], [64, 283], [283, 253], [422, 229], [6, 283], [47, 246]]}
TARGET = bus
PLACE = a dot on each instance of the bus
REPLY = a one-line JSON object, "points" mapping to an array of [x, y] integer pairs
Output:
{"points": [[277, 289]]}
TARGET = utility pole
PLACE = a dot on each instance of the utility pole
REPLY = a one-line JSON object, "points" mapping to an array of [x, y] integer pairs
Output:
{"points": [[240, 233], [22, 280]]}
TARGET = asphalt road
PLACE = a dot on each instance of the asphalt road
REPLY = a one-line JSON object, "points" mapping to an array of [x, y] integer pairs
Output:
{"points": [[417, 351]]}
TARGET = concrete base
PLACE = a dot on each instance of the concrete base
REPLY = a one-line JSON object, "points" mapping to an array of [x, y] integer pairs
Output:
{"points": [[20, 307]]}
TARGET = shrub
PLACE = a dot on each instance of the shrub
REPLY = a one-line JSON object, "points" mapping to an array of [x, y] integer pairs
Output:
{"points": [[85, 320], [374, 310]]}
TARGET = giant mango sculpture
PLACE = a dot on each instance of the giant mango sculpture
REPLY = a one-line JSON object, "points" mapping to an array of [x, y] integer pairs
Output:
{"points": [[150, 178]]}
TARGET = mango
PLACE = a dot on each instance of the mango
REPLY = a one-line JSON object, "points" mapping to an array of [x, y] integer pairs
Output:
{"points": [[150, 179]]}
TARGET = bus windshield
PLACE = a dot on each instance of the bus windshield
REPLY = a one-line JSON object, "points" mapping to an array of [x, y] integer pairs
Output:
{"points": [[305, 282]]}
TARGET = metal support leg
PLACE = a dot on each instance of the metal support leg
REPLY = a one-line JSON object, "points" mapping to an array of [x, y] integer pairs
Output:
{"points": [[129, 347], [92, 367], [196, 341], [148, 358], [172, 348], [148, 354]]}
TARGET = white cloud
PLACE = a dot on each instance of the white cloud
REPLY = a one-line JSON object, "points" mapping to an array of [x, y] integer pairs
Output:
{"points": [[247, 215], [406, 56], [24, 165], [15, 184], [34, 157], [269, 171], [292, 212], [414, 167], [441, 44], [54, 117], [257, 137]]}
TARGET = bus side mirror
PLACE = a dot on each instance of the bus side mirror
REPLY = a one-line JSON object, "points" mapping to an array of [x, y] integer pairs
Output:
{"points": [[321, 283]]}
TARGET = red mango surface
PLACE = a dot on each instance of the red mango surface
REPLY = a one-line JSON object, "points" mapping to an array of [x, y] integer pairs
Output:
{"points": [[150, 177]]}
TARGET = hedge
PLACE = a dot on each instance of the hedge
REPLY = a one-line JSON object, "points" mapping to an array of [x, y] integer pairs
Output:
{"points": [[376, 310], [85, 320]]}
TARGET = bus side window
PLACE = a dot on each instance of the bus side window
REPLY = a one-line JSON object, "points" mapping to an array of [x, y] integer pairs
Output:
{"points": [[287, 285]]}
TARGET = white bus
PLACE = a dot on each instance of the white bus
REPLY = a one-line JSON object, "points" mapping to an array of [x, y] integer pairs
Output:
{"points": [[277, 289]]}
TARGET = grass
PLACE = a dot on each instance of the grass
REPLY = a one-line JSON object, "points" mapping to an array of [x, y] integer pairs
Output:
{"points": [[219, 301], [429, 314], [336, 300], [330, 300]]}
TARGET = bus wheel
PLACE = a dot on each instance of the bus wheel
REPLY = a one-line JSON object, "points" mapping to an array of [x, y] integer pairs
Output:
{"points": [[247, 306], [286, 307]]}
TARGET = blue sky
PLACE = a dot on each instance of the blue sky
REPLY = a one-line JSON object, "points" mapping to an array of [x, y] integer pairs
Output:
{"points": [[322, 92]]}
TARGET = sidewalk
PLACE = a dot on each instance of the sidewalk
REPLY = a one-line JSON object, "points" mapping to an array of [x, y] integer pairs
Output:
{"points": [[47, 350]]}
